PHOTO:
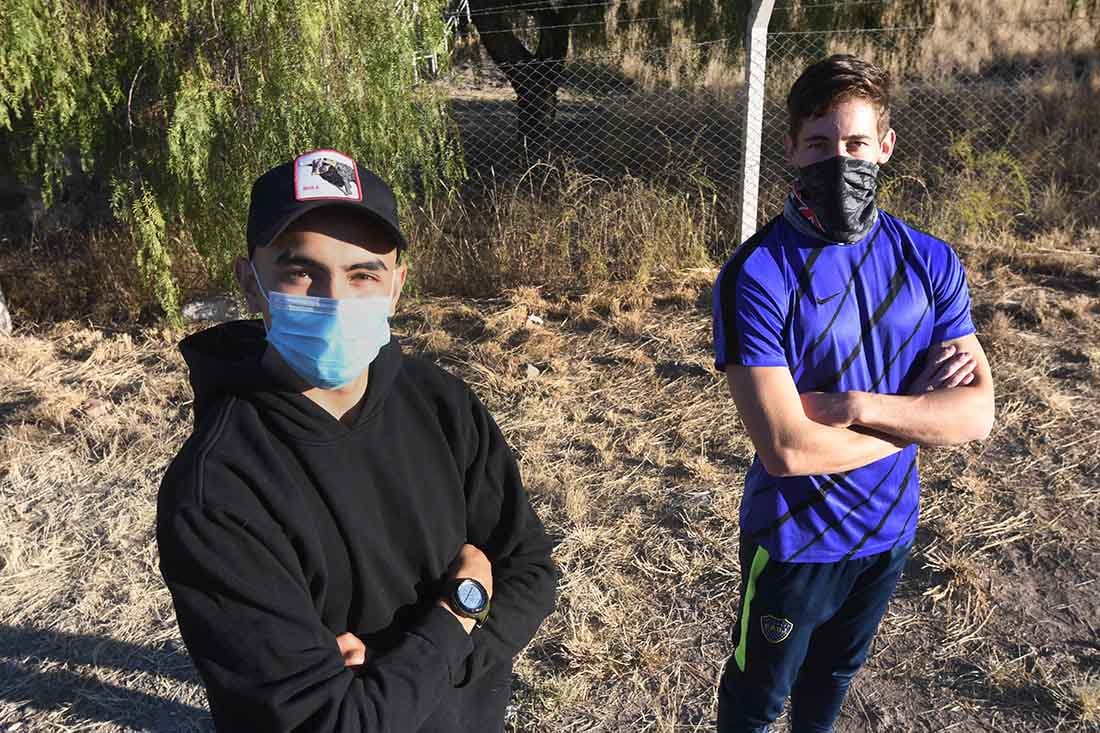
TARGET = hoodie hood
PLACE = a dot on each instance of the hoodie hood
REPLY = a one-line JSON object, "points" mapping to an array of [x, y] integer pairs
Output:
{"points": [[226, 360]]}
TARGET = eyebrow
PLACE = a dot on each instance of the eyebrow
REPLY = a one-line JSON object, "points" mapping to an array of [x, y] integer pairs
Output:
{"points": [[288, 259], [826, 138]]}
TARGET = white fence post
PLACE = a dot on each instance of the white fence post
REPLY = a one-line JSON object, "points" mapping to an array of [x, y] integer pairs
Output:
{"points": [[756, 52], [5, 317]]}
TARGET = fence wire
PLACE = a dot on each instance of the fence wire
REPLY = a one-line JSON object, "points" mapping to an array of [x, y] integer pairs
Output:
{"points": [[674, 116], [946, 116], [650, 115]]}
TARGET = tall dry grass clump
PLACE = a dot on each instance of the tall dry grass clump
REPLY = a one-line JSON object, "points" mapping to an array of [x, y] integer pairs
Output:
{"points": [[90, 274], [968, 34], [563, 230]]}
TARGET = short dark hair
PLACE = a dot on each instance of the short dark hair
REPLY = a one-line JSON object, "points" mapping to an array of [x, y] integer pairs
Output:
{"points": [[829, 82]]}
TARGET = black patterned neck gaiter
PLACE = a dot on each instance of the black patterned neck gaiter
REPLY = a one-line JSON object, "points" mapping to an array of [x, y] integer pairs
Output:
{"points": [[837, 196]]}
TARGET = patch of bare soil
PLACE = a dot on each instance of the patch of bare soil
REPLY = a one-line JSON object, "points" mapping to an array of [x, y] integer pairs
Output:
{"points": [[634, 455]]}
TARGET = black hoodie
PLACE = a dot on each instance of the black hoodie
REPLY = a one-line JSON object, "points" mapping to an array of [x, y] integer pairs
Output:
{"points": [[280, 528]]}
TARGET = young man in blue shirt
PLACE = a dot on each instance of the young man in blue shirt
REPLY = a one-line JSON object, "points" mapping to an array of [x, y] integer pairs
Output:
{"points": [[846, 339]]}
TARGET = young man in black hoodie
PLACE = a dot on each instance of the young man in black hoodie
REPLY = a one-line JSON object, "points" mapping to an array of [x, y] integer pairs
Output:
{"points": [[345, 535]]}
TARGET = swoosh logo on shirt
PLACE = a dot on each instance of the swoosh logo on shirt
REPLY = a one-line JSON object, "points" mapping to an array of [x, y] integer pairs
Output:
{"points": [[836, 313], [823, 301]]}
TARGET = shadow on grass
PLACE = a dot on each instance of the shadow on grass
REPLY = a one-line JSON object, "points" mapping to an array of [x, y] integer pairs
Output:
{"points": [[11, 410], [37, 673]]}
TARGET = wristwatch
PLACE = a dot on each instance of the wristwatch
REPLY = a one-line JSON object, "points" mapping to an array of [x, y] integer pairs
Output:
{"points": [[469, 599]]}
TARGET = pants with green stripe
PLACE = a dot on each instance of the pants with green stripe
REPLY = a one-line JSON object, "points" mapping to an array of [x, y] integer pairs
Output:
{"points": [[804, 630]]}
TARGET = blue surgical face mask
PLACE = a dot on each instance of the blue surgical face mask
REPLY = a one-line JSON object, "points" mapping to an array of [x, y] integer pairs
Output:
{"points": [[327, 341]]}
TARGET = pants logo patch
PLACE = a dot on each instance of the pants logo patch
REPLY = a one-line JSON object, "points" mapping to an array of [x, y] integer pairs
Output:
{"points": [[775, 629]]}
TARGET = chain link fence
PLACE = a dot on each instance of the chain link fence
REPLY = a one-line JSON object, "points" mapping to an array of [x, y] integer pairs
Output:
{"points": [[675, 116], [947, 115], [654, 115]]}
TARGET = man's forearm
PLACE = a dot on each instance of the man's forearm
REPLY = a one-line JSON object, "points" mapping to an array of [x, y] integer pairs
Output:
{"points": [[941, 417], [523, 598], [813, 449]]}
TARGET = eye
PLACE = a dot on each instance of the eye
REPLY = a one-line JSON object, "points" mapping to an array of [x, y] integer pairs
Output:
{"points": [[294, 277]]}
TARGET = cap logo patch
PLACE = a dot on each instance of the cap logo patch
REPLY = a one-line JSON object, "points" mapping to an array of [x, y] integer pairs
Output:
{"points": [[326, 174]]}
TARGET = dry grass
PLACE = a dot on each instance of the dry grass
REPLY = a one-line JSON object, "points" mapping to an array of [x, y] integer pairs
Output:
{"points": [[562, 230], [88, 275], [634, 457], [970, 33], [87, 417]]}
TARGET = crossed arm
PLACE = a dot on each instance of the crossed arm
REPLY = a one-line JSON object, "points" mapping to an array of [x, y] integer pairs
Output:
{"points": [[471, 562], [247, 612], [951, 402], [270, 663]]}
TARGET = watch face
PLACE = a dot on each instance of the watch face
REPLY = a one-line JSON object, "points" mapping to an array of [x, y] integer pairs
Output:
{"points": [[471, 596]]}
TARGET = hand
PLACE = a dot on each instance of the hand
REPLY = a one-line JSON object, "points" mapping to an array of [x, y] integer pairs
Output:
{"points": [[352, 649], [470, 563], [944, 367], [835, 409]]}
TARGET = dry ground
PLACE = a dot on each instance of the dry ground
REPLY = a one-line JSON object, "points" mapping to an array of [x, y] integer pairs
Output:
{"points": [[634, 456]]}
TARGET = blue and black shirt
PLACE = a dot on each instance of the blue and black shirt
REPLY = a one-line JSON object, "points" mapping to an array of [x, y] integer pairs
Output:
{"points": [[840, 317]]}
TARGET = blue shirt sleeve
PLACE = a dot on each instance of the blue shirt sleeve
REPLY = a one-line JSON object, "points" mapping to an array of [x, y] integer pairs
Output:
{"points": [[750, 310], [951, 296]]}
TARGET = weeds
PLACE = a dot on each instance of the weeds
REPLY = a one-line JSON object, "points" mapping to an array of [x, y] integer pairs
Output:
{"points": [[564, 231]]}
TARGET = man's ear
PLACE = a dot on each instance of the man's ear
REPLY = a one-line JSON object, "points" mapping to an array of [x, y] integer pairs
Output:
{"points": [[246, 279], [400, 274], [886, 146], [788, 148]]}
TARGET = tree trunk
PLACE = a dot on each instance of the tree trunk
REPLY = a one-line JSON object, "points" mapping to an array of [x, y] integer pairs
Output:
{"points": [[536, 106], [535, 77]]}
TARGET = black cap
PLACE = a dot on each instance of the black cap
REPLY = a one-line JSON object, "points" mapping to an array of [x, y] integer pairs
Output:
{"points": [[314, 180]]}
